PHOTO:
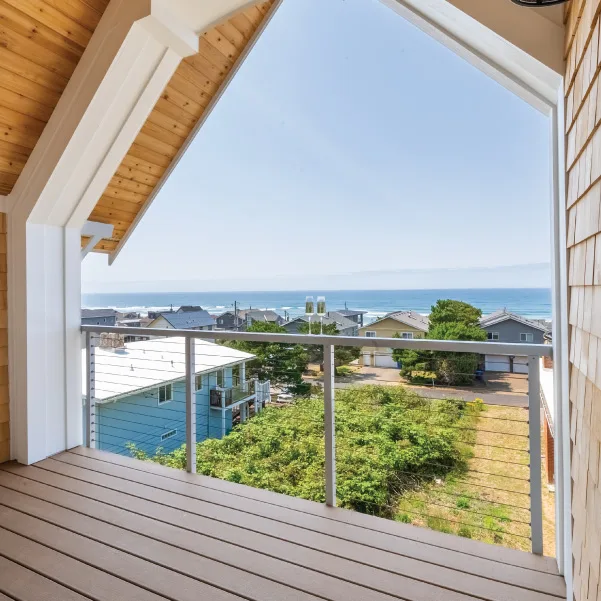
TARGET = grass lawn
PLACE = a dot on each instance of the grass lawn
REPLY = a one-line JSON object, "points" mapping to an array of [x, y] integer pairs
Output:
{"points": [[488, 500]]}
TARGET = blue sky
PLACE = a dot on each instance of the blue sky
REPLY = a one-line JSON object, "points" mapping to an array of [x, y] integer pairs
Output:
{"points": [[348, 142]]}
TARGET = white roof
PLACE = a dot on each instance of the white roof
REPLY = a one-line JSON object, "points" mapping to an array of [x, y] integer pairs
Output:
{"points": [[146, 364]]}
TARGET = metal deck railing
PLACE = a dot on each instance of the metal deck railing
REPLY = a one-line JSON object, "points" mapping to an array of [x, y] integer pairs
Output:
{"points": [[527, 474]]}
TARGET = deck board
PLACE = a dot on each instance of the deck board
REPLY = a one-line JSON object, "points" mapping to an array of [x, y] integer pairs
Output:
{"points": [[132, 531], [481, 550]]}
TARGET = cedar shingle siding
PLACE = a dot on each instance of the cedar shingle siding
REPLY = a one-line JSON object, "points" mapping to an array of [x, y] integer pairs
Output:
{"points": [[583, 115]]}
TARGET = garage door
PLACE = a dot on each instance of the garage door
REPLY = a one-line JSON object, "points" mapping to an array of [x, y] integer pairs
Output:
{"points": [[385, 360], [502, 363]]}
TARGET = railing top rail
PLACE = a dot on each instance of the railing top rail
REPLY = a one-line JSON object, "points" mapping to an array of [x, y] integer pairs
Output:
{"points": [[456, 346]]}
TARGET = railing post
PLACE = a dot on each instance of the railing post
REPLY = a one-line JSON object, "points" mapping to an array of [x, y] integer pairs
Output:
{"points": [[190, 406], [90, 390], [536, 502], [329, 417]]}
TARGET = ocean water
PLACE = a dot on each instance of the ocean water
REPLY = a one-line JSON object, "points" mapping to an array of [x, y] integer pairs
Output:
{"points": [[529, 302]]}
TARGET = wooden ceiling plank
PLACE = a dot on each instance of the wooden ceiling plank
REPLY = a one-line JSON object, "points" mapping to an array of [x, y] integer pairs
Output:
{"points": [[215, 73], [86, 14], [120, 215], [16, 136], [150, 156], [166, 135], [212, 54], [15, 149], [143, 165], [126, 183], [33, 38], [32, 71], [242, 23], [263, 7], [168, 106], [123, 194], [28, 88], [21, 121], [9, 152], [26, 106], [235, 36], [222, 44], [199, 81], [120, 209], [133, 175], [254, 15], [153, 144], [54, 19], [189, 91], [160, 119], [11, 166], [7, 181], [118, 203], [37, 50]]}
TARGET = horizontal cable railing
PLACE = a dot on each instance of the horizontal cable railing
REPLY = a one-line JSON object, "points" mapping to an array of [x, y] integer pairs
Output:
{"points": [[480, 476]]}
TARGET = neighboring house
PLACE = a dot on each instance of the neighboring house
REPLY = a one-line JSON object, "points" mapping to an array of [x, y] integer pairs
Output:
{"points": [[194, 320], [98, 317], [345, 326], [230, 321], [140, 392], [189, 309], [250, 316], [407, 324], [356, 316], [503, 326]]}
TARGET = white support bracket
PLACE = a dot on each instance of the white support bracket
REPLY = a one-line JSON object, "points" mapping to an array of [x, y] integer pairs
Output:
{"points": [[96, 232]]}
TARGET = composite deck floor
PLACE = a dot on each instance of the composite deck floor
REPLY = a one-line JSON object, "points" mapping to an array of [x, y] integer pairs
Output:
{"points": [[92, 525]]}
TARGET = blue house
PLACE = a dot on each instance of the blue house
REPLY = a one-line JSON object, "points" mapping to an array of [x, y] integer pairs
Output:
{"points": [[140, 395]]}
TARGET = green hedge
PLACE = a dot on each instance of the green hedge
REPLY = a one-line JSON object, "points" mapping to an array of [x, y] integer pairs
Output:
{"points": [[388, 440]]}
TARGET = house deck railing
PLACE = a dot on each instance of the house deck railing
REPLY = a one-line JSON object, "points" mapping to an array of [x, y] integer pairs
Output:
{"points": [[533, 351]]}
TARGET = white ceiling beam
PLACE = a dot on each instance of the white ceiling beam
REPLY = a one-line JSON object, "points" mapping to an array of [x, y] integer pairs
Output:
{"points": [[518, 47]]}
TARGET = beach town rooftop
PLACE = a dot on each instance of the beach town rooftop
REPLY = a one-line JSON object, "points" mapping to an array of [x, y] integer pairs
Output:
{"points": [[143, 365]]}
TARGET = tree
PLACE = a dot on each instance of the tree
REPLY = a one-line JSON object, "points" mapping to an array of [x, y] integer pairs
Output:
{"points": [[449, 320], [282, 364], [343, 355]]}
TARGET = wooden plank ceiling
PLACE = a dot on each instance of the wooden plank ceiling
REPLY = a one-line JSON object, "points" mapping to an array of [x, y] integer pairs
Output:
{"points": [[41, 42], [183, 103]]}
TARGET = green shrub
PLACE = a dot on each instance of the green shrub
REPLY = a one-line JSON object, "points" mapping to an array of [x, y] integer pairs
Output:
{"points": [[463, 503], [465, 532], [388, 440]]}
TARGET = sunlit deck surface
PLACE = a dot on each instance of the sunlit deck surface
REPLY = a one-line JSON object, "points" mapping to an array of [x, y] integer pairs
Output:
{"points": [[92, 525]]}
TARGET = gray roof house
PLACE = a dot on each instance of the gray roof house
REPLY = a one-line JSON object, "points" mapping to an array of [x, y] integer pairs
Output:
{"points": [[356, 316], [504, 326], [193, 320], [98, 317], [345, 326], [252, 315]]}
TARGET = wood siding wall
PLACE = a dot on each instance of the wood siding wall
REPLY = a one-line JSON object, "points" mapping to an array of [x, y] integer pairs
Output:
{"points": [[583, 117], [4, 426]]}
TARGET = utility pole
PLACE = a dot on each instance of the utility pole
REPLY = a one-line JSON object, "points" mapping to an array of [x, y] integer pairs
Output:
{"points": [[236, 315]]}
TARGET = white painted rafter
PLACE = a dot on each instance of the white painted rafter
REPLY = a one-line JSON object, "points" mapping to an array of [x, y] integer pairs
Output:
{"points": [[96, 232]]}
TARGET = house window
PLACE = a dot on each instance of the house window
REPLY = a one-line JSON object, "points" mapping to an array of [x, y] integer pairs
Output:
{"points": [[165, 393], [220, 379], [198, 382], [370, 334], [407, 335], [526, 337], [493, 335], [169, 434]]}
